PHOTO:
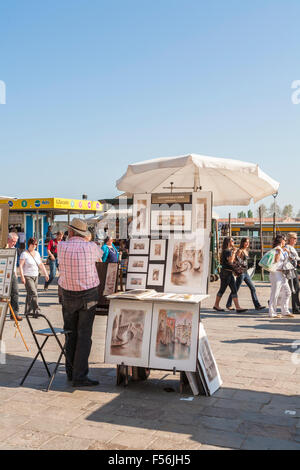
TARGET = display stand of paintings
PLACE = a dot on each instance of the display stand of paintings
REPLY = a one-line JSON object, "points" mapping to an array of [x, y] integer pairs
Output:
{"points": [[7, 266], [168, 263]]}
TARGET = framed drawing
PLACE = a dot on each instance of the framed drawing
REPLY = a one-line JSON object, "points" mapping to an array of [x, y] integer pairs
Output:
{"points": [[7, 264], [158, 250], [136, 281], [138, 264], [141, 214], [171, 221], [156, 275], [187, 264], [4, 210], [3, 310], [208, 364], [128, 333], [111, 279], [174, 336], [139, 246], [202, 207]]}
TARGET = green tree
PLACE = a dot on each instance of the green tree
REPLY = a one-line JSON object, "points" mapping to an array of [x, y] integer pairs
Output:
{"points": [[241, 215], [250, 214]]}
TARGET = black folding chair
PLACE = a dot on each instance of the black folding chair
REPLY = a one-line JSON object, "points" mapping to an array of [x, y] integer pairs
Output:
{"points": [[47, 333]]}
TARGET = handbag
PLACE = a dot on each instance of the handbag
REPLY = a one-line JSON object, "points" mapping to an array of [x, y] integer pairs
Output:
{"points": [[268, 261]]}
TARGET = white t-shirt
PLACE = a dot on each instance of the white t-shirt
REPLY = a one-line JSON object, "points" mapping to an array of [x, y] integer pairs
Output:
{"points": [[31, 265], [283, 256]]}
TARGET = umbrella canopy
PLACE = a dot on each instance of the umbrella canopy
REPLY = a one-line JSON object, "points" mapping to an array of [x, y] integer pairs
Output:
{"points": [[232, 182]]}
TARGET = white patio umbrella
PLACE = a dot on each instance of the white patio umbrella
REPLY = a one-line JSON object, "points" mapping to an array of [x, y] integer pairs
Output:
{"points": [[232, 182]]}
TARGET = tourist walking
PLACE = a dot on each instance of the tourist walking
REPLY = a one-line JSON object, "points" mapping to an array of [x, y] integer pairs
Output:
{"points": [[242, 257], [30, 263], [52, 257], [79, 284], [279, 280], [294, 282], [110, 252], [228, 256], [14, 294]]}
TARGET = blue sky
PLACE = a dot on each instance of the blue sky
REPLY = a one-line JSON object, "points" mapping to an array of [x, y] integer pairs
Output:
{"points": [[94, 85]]}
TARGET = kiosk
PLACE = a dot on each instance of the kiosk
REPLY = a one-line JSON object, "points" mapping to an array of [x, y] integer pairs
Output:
{"points": [[31, 217]]}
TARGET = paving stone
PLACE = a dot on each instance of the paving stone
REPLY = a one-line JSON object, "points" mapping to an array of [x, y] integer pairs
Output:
{"points": [[260, 383], [133, 441], [100, 434], [67, 443], [31, 438]]}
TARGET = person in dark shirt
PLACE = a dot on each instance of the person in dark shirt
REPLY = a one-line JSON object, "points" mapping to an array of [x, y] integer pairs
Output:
{"points": [[227, 275], [242, 255]]}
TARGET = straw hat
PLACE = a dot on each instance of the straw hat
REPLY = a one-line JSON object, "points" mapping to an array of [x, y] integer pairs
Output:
{"points": [[79, 226]]}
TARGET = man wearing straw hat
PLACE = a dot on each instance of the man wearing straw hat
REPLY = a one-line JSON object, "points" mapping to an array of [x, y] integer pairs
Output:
{"points": [[79, 283]]}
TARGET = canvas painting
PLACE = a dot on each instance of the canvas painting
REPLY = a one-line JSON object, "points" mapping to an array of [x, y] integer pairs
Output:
{"points": [[158, 250], [156, 275], [174, 336], [141, 214], [187, 265], [171, 220], [137, 264], [202, 208], [128, 333], [139, 246], [136, 281], [111, 279], [208, 364]]}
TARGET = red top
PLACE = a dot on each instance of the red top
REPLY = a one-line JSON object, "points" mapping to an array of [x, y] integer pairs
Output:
{"points": [[52, 246]]}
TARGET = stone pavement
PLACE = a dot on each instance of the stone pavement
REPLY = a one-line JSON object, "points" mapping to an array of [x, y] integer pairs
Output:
{"points": [[258, 406]]}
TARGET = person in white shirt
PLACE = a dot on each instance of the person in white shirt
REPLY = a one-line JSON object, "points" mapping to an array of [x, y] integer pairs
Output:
{"points": [[279, 281], [294, 282], [30, 262]]}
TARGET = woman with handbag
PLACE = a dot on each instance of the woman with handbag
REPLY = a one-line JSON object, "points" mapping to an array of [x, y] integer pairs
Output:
{"points": [[30, 262], [228, 256], [241, 261]]}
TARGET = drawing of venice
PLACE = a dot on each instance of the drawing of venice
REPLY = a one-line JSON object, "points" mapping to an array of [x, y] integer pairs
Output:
{"points": [[174, 333], [127, 333]]}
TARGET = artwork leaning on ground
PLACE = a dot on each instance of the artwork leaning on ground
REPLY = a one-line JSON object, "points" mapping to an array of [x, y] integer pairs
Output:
{"points": [[208, 364], [128, 333], [174, 336]]}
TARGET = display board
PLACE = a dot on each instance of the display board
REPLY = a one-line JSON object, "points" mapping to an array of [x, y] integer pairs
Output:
{"points": [[7, 266], [169, 248]]}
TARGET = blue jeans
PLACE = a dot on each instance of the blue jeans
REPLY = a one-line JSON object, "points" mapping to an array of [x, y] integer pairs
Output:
{"points": [[244, 277], [53, 266]]}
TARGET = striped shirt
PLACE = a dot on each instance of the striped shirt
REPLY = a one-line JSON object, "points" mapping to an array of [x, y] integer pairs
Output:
{"points": [[77, 264]]}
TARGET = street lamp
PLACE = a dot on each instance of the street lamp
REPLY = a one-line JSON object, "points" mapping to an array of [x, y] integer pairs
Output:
{"points": [[274, 214]]}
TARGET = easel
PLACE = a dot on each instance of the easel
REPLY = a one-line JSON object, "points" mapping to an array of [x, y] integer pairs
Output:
{"points": [[16, 321]]}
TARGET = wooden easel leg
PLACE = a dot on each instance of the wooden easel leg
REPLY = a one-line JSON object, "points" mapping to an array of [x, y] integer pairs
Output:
{"points": [[17, 325]]}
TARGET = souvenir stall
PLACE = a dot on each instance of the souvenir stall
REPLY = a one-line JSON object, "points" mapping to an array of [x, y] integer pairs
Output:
{"points": [[156, 323]]}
